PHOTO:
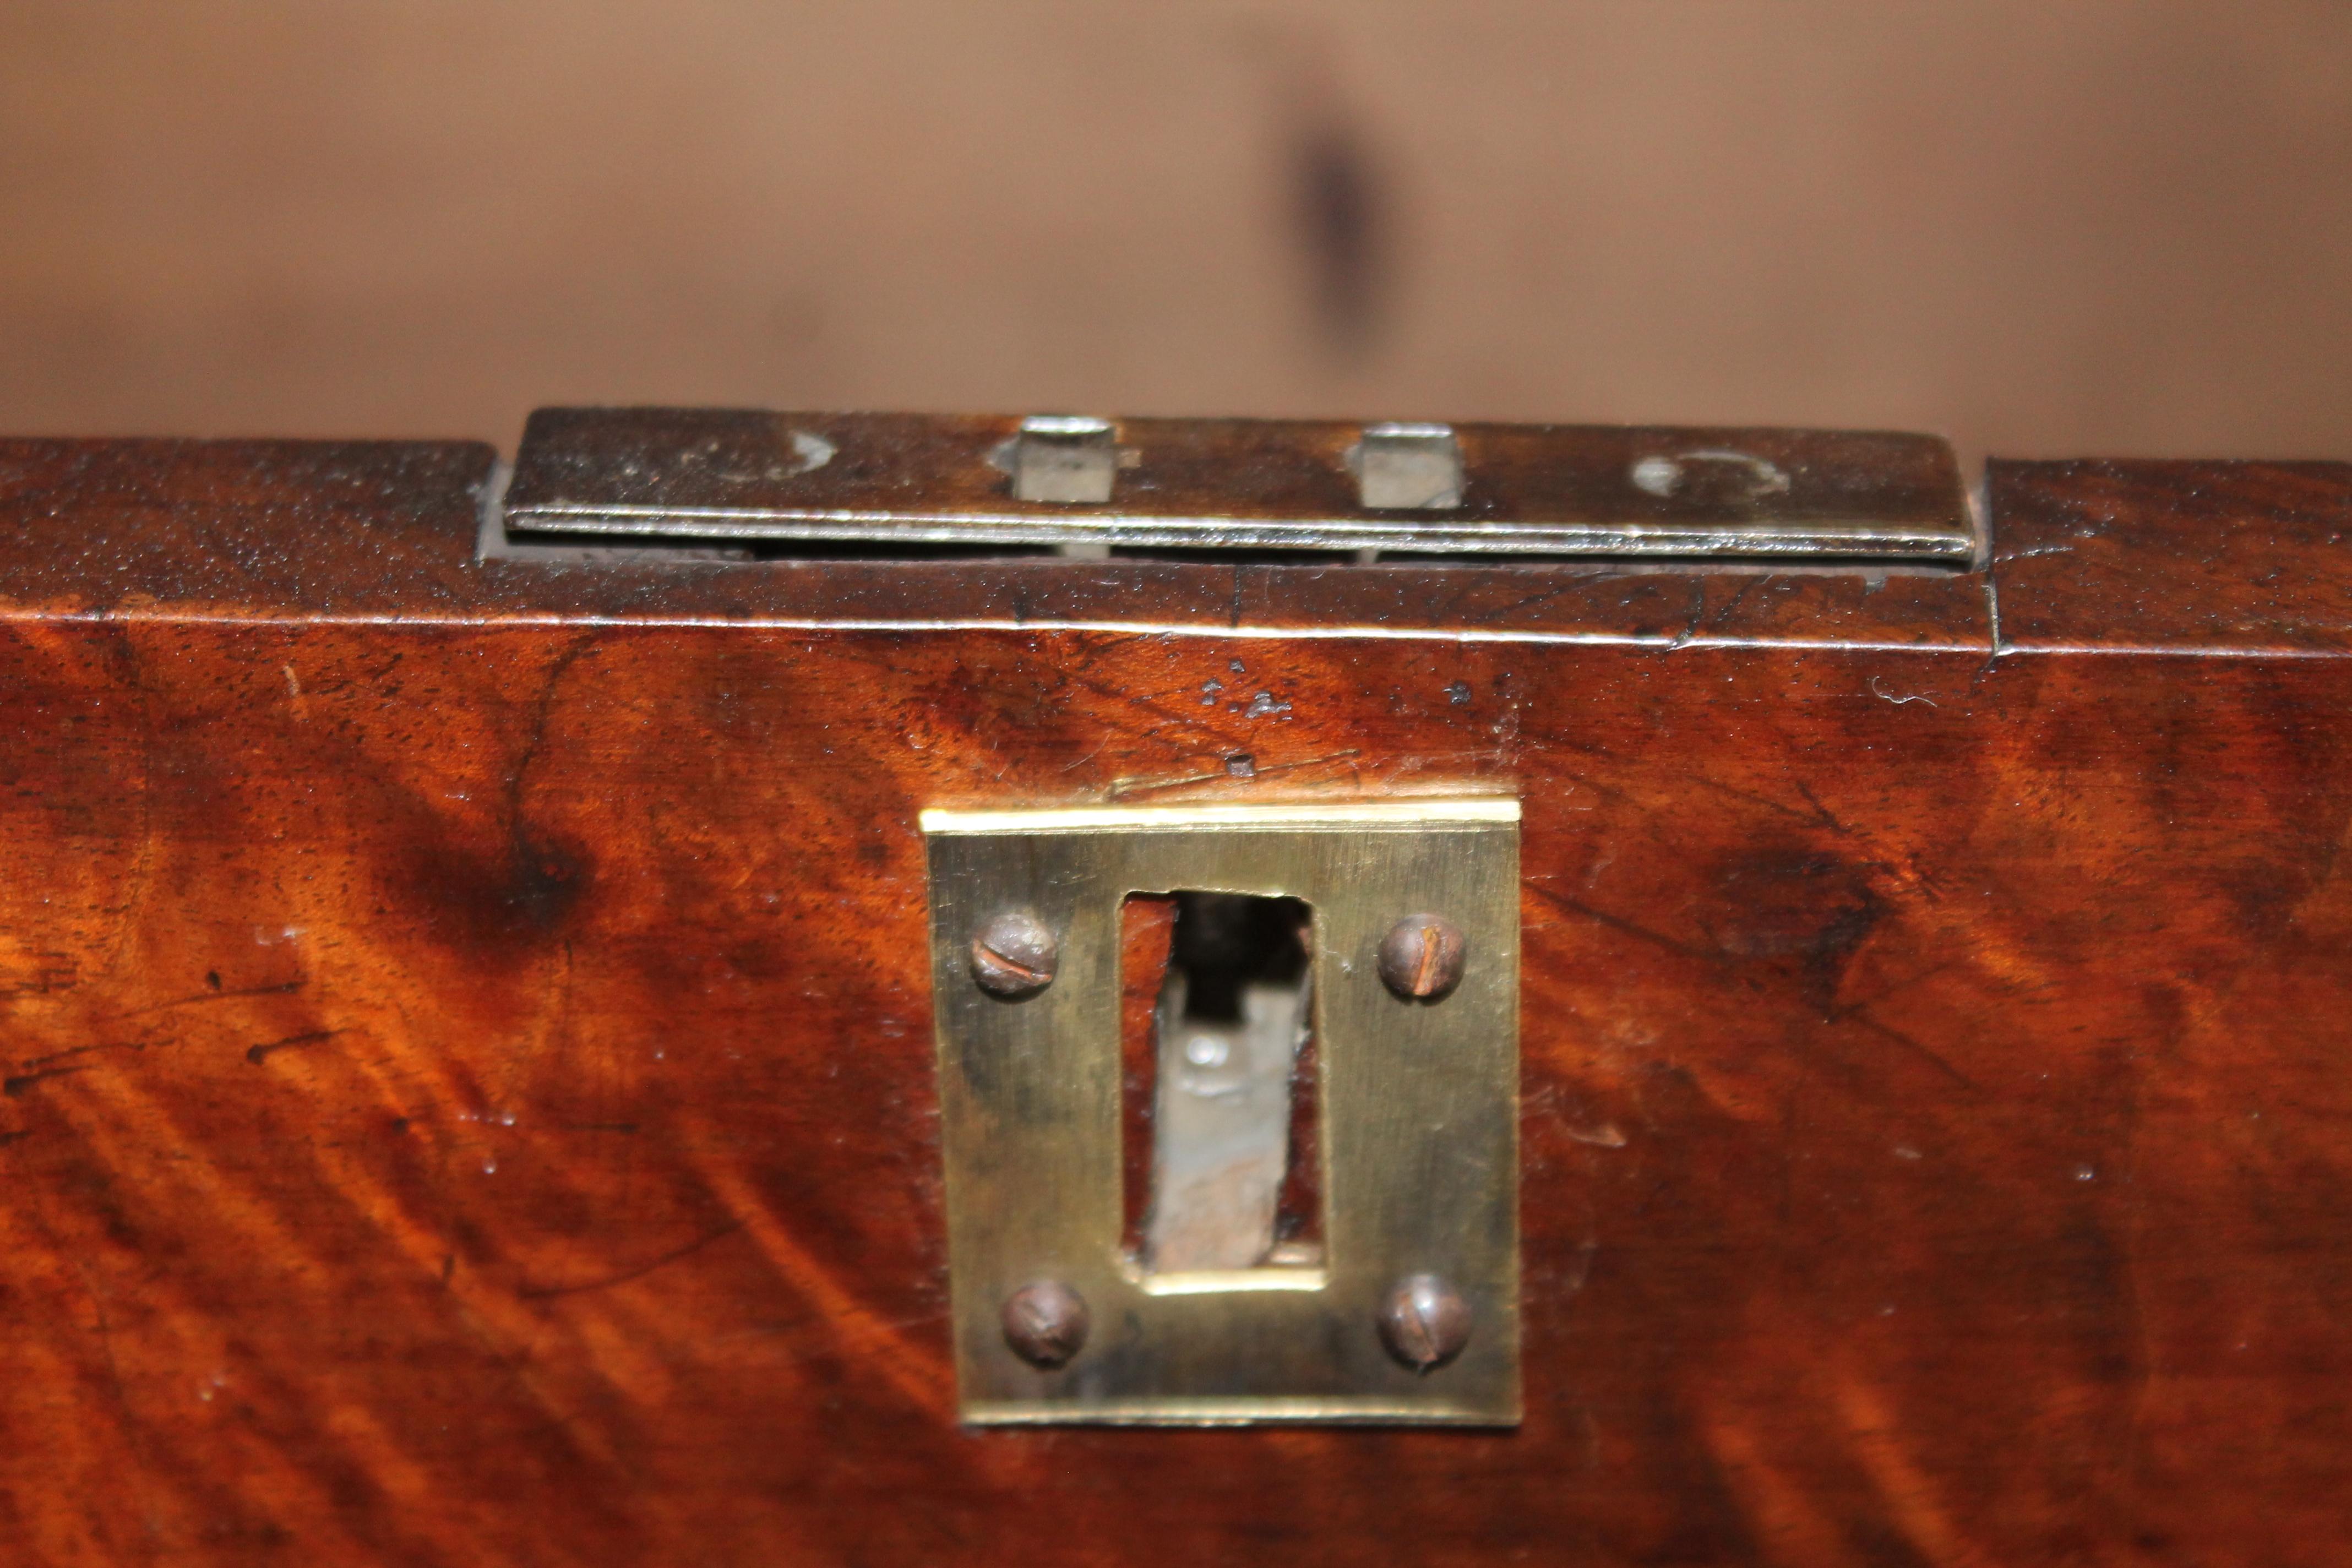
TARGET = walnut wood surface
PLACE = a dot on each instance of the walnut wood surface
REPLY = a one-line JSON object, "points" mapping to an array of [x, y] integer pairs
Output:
{"points": [[468, 1091], [2232, 558]]}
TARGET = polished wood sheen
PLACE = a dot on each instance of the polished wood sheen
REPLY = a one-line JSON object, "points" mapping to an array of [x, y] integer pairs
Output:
{"points": [[467, 1053]]}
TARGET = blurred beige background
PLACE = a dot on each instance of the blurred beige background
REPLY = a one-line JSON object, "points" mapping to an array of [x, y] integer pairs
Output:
{"points": [[2042, 228]]}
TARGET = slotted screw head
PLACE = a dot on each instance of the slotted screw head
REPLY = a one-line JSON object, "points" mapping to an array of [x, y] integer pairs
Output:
{"points": [[1045, 1323], [1424, 1321], [1014, 955], [1422, 957]]}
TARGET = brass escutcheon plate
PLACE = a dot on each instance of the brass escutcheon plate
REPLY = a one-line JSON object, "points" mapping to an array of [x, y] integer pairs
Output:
{"points": [[1418, 1108]]}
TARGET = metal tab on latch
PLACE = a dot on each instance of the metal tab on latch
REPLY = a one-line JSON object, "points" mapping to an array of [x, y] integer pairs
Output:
{"points": [[1064, 460], [1364, 956]]}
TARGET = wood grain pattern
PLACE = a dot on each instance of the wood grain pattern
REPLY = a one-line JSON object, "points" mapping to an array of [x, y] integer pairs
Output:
{"points": [[468, 1092], [2227, 558]]}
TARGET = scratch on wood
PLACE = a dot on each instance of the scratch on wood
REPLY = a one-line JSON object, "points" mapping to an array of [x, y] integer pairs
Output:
{"points": [[1124, 789], [1888, 1031], [1618, 922], [23, 1081], [283, 988], [1697, 616], [256, 1054], [33, 1063], [1879, 691], [542, 1292]]}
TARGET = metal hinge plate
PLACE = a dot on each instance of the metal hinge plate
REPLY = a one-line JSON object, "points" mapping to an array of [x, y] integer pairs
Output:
{"points": [[907, 482]]}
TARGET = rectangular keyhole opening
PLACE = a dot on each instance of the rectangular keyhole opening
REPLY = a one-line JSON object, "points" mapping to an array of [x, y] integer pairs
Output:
{"points": [[1218, 1044]]}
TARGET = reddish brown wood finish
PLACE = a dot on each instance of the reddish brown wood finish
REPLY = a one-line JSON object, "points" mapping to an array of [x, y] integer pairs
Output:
{"points": [[468, 1093]]}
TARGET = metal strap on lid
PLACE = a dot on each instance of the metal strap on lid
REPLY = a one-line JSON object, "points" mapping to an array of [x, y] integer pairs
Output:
{"points": [[1421, 490]]}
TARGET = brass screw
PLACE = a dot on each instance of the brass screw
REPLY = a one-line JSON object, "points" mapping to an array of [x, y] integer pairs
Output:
{"points": [[1014, 955], [1420, 958], [1045, 1323], [1426, 1322]]}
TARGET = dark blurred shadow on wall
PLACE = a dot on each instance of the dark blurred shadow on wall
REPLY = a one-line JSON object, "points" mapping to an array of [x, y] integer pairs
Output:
{"points": [[1339, 207], [2113, 227]]}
